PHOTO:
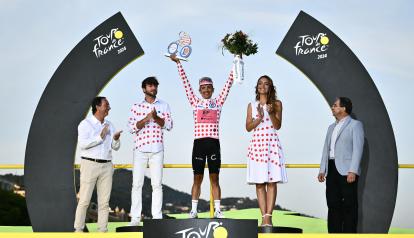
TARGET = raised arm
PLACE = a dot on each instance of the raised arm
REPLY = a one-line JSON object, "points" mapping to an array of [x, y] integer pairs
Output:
{"points": [[186, 83], [226, 89]]}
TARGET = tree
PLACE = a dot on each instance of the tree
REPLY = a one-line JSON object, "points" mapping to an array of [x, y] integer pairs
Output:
{"points": [[13, 210]]}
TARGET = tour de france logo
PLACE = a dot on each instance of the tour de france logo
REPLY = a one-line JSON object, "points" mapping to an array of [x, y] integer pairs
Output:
{"points": [[214, 227], [111, 41], [317, 44]]}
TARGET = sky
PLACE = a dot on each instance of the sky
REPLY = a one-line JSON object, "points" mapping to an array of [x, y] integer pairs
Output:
{"points": [[37, 35]]}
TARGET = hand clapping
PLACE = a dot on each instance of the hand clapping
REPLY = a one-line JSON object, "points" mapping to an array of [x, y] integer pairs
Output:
{"points": [[260, 111], [270, 108], [117, 135], [152, 114], [104, 131]]}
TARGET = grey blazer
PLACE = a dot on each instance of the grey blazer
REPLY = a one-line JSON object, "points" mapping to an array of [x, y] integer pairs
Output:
{"points": [[348, 147]]}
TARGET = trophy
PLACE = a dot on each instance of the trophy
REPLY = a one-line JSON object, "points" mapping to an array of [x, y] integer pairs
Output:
{"points": [[239, 44], [181, 47]]}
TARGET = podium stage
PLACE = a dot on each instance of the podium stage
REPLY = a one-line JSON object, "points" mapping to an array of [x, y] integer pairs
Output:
{"points": [[204, 228]]}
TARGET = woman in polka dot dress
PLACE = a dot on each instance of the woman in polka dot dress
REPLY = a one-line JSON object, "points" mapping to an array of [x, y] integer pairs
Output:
{"points": [[265, 165]]}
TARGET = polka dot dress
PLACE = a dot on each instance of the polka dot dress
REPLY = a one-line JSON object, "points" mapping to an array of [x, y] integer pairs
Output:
{"points": [[265, 163]]}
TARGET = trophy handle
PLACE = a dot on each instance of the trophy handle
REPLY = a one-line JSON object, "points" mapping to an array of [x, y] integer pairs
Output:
{"points": [[178, 57]]}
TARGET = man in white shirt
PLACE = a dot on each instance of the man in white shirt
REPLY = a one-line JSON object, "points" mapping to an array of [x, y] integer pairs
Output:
{"points": [[147, 120], [96, 139]]}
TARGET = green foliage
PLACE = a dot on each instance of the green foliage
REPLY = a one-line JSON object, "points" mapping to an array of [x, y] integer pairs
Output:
{"points": [[280, 218], [239, 43], [13, 211]]}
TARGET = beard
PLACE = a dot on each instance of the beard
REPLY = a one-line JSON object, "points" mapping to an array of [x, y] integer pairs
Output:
{"points": [[151, 94]]}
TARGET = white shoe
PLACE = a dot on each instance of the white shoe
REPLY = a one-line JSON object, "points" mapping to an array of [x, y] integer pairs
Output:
{"points": [[134, 222], [218, 214], [193, 214]]}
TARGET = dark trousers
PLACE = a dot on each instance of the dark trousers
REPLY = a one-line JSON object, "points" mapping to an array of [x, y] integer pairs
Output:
{"points": [[342, 199]]}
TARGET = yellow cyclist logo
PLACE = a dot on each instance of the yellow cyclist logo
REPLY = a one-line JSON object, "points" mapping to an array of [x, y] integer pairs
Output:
{"points": [[119, 34], [324, 40], [220, 232]]}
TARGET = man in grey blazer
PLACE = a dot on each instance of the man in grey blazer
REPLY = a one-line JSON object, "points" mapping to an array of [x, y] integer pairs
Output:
{"points": [[340, 165]]}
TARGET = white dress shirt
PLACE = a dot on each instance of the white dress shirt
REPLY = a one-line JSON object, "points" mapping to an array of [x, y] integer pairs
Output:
{"points": [[334, 136], [90, 142], [150, 138]]}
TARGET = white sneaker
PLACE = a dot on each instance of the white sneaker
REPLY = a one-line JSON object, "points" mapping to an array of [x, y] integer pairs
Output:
{"points": [[218, 214], [134, 222], [193, 214]]}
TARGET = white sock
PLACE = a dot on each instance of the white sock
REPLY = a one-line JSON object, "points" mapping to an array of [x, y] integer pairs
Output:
{"points": [[217, 205], [194, 204]]}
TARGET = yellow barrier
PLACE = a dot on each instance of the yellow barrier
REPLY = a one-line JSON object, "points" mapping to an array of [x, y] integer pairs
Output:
{"points": [[188, 166]]}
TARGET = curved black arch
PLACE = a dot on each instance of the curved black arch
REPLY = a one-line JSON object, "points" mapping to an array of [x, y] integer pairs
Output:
{"points": [[335, 70], [52, 140]]}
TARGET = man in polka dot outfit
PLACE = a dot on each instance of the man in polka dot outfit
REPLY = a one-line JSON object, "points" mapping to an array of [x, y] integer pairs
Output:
{"points": [[206, 147], [147, 120]]}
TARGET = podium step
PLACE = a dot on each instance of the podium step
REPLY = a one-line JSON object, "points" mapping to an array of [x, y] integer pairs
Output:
{"points": [[129, 229], [205, 228], [278, 229]]}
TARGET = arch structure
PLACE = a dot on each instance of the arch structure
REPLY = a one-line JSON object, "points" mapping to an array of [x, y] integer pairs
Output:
{"points": [[336, 71], [52, 139]]}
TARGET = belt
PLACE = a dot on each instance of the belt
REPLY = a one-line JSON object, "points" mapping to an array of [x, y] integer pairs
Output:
{"points": [[331, 158], [96, 160]]}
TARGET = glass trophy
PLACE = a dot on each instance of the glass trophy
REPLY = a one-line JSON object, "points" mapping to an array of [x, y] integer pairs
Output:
{"points": [[181, 47]]}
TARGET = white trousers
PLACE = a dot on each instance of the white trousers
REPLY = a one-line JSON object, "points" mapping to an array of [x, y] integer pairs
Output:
{"points": [[155, 162], [91, 174]]}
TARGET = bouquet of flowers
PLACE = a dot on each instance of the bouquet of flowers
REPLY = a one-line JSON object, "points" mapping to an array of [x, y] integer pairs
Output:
{"points": [[239, 44]]}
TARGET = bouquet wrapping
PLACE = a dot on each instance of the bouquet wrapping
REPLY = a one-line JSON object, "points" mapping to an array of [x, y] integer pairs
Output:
{"points": [[239, 44]]}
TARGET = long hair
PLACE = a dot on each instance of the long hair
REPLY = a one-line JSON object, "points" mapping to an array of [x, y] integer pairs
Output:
{"points": [[271, 94]]}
